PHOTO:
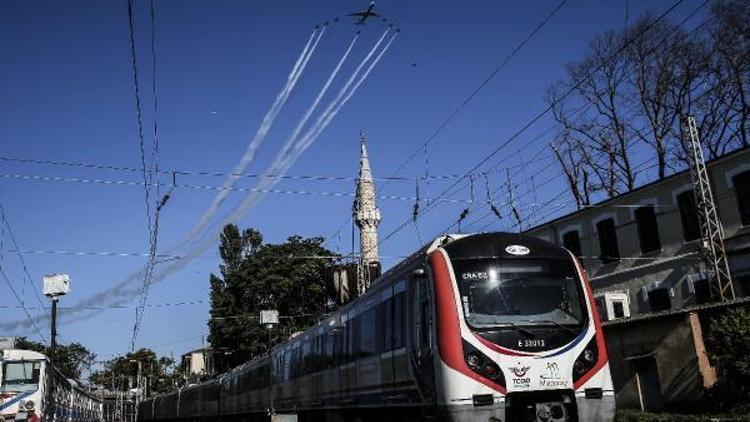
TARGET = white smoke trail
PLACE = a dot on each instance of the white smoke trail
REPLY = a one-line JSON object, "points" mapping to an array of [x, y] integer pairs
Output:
{"points": [[282, 163], [283, 159], [257, 140], [306, 142], [295, 133], [125, 290]]}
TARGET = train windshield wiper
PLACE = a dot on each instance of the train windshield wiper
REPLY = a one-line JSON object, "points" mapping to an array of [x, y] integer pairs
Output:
{"points": [[511, 325], [555, 323]]}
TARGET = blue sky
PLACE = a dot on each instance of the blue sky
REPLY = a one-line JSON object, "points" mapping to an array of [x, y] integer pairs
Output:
{"points": [[66, 94]]}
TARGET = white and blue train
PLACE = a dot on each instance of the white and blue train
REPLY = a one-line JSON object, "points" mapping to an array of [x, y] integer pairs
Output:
{"points": [[484, 327], [32, 388]]}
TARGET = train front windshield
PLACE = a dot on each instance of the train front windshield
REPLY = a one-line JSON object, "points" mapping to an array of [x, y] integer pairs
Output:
{"points": [[496, 292], [20, 376]]}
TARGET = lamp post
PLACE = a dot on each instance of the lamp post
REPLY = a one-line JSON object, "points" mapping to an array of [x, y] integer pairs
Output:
{"points": [[269, 318], [137, 386], [55, 286]]}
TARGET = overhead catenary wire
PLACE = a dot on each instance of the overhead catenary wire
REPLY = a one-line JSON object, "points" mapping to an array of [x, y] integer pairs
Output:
{"points": [[184, 172], [20, 302], [22, 260], [705, 93], [542, 113], [153, 228], [124, 289], [493, 74], [206, 187]]}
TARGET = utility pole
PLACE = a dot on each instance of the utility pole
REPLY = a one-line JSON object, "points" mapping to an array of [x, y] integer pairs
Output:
{"points": [[269, 318], [720, 278], [55, 286], [53, 329], [138, 386]]}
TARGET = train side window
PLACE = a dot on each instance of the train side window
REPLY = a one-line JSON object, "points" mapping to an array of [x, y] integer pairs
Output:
{"points": [[306, 354], [398, 321], [367, 338], [387, 319], [350, 340], [424, 315]]}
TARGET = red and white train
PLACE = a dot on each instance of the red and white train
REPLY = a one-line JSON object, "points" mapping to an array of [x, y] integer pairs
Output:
{"points": [[484, 327]]}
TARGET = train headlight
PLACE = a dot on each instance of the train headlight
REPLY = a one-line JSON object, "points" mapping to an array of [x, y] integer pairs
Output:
{"points": [[586, 360], [473, 360], [481, 364], [29, 405]]}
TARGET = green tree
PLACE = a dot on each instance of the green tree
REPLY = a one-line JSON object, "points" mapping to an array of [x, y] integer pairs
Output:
{"points": [[121, 373], [289, 277], [728, 345], [71, 359]]}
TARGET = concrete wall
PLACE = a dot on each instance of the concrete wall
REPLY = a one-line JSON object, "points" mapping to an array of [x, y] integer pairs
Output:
{"points": [[669, 342]]}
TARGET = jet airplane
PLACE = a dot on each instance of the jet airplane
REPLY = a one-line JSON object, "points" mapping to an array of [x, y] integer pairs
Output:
{"points": [[363, 15]]}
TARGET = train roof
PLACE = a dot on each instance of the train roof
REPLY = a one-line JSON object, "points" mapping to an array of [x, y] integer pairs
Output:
{"points": [[20, 354], [503, 245]]}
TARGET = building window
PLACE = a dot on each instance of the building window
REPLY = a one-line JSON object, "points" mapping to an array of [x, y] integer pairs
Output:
{"points": [[659, 300], [691, 228], [648, 229], [741, 184], [607, 232], [616, 305], [702, 291], [572, 242]]}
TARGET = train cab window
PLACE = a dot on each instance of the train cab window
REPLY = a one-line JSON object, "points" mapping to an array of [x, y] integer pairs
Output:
{"points": [[20, 376], [742, 192], [648, 229], [572, 242], [691, 228], [523, 291], [607, 233]]}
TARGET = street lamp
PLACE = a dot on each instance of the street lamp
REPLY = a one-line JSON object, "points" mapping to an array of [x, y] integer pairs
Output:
{"points": [[269, 318], [55, 285], [137, 386]]}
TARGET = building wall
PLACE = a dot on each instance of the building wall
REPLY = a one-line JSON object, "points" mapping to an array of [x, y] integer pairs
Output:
{"points": [[665, 346], [677, 263]]}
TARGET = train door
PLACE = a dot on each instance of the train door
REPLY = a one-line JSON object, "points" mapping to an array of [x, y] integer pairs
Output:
{"points": [[422, 317]]}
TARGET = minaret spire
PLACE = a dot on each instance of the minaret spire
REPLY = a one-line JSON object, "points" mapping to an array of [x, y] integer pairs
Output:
{"points": [[367, 216]]}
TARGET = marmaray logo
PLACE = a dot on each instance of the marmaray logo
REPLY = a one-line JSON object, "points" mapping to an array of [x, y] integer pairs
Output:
{"points": [[551, 376], [552, 372]]}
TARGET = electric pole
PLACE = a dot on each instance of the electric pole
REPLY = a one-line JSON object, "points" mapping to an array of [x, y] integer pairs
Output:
{"points": [[55, 286], [720, 278]]}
